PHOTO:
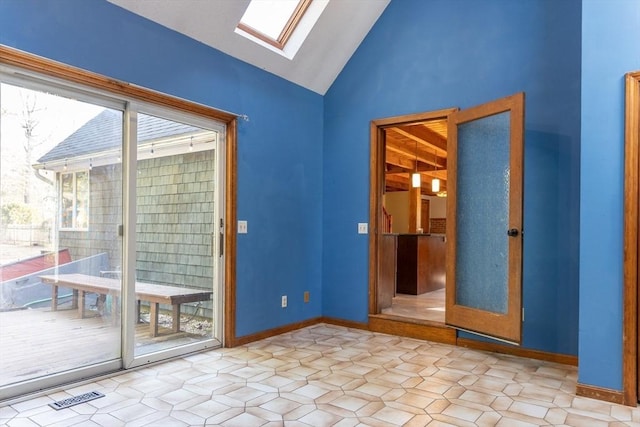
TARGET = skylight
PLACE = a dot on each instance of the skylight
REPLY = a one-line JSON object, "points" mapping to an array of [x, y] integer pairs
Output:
{"points": [[279, 24]]}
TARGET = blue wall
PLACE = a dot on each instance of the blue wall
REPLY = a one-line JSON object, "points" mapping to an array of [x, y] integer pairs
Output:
{"points": [[611, 31], [429, 55], [279, 149]]}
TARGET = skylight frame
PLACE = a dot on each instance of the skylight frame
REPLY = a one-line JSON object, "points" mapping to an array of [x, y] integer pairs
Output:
{"points": [[287, 30]]}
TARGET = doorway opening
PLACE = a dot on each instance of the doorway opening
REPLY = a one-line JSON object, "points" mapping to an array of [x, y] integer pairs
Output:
{"points": [[409, 223]]}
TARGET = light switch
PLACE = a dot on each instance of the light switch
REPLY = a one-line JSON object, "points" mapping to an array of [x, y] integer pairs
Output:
{"points": [[363, 228], [242, 227]]}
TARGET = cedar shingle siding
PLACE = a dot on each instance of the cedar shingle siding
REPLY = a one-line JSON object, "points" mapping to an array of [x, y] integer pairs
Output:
{"points": [[174, 220]]}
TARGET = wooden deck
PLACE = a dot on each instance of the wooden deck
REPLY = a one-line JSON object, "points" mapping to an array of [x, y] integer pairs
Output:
{"points": [[38, 342]]}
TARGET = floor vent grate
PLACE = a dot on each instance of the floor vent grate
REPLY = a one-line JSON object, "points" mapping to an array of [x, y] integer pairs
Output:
{"points": [[75, 400]]}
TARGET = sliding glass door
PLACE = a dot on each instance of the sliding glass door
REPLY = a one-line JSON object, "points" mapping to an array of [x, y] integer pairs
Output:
{"points": [[177, 244], [61, 207], [111, 232]]}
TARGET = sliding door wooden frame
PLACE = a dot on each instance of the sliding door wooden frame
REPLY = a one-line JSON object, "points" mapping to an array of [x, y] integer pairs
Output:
{"points": [[630, 360], [69, 74]]}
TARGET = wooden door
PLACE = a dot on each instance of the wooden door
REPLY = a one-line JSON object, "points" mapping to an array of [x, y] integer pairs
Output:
{"points": [[484, 212]]}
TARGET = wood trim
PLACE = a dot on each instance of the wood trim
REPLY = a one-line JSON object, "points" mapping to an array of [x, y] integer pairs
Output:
{"points": [[345, 323], [231, 214], [408, 119], [287, 30], [246, 339], [429, 331], [293, 22], [67, 73], [48, 67], [631, 236], [565, 359], [593, 392], [376, 184]]}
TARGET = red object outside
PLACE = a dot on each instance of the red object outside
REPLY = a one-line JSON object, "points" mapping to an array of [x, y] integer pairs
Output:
{"points": [[33, 265]]}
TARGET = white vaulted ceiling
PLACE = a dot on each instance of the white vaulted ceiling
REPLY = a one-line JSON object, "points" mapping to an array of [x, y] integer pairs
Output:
{"points": [[334, 38]]}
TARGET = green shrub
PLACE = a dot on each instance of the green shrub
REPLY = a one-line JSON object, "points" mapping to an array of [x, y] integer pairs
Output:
{"points": [[16, 213]]}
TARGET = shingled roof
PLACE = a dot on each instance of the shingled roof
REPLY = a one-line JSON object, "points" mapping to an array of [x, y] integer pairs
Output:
{"points": [[104, 132]]}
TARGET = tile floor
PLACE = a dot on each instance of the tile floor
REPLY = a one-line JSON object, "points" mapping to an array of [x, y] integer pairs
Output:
{"points": [[427, 306], [327, 375]]}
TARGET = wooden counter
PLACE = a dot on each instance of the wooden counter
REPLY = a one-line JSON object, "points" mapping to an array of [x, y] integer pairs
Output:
{"points": [[421, 263]]}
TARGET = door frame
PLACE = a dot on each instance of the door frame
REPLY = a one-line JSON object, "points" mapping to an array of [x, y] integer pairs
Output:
{"points": [[630, 360], [376, 188]]}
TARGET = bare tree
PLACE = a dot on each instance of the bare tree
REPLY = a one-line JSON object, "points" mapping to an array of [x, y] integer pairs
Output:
{"points": [[29, 121]]}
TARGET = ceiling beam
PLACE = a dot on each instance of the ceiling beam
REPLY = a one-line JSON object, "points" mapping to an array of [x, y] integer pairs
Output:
{"points": [[410, 155], [422, 135]]}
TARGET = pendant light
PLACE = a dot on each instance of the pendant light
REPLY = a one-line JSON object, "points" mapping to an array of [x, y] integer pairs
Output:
{"points": [[415, 176], [435, 182]]}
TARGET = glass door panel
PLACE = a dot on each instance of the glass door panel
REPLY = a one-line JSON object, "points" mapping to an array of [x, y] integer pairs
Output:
{"points": [[60, 205], [176, 235], [483, 204]]}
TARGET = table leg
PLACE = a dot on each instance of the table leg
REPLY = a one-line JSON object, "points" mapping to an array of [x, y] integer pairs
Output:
{"points": [[176, 318], [81, 304], [74, 298], [153, 318], [54, 298]]}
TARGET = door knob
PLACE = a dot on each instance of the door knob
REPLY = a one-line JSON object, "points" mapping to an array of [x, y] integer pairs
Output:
{"points": [[512, 232]]}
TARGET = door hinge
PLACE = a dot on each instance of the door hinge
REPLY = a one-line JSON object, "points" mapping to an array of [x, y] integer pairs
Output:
{"points": [[523, 314]]}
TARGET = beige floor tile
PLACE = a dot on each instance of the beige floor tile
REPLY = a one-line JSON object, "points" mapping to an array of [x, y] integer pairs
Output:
{"points": [[132, 412], [319, 418], [507, 421], [299, 412], [556, 416], [350, 403], [244, 420], [220, 417], [462, 412], [529, 409], [107, 420], [446, 420], [488, 419], [207, 408], [328, 375], [577, 420]]}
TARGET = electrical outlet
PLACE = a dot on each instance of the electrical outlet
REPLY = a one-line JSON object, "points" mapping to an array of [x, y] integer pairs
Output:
{"points": [[284, 301], [363, 228], [306, 296], [242, 227]]}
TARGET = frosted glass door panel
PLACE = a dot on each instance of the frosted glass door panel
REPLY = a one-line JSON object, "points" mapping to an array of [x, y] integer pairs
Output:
{"points": [[483, 213], [484, 218]]}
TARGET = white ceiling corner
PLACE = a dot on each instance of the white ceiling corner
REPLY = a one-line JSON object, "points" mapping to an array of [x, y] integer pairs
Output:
{"points": [[332, 41]]}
